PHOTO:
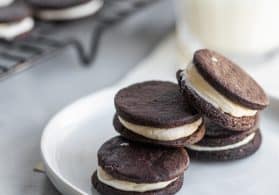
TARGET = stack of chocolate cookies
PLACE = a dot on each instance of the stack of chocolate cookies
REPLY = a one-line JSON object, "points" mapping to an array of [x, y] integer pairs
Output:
{"points": [[213, 113], [231, 102], [155, 123]]}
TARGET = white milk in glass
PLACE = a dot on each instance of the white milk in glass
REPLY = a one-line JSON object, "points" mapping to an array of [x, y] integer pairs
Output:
{"points": [[231, 26]]}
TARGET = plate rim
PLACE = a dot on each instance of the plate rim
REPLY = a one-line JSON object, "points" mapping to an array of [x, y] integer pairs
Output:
{"points": [[52, 172]]}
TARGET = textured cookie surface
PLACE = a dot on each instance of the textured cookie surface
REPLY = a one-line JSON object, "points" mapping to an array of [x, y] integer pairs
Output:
{"points": [[107, 190], [195, 137], [55, 4], [141, 163], [154, 103], [232, 154], [219, 136], [227, 121], [14, 13], [229, 79]]}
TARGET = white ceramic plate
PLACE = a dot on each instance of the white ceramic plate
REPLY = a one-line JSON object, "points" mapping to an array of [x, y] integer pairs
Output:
{"points": [[71, 139]]}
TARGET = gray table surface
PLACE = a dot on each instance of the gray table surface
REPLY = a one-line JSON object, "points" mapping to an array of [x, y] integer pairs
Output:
{"points": [[30, 99]]}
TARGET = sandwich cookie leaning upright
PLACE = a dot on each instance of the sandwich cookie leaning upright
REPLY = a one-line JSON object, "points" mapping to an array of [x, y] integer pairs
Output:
{"points": [[130, 168], [220, 144], [155, 112], [53, 10], [221, 90], [15, 21]]}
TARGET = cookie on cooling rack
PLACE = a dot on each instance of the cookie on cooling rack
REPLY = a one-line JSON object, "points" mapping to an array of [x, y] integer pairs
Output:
{"points": [[53, 10], [15, 21]]}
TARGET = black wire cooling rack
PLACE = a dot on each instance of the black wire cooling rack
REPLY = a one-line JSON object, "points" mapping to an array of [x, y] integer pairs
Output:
{"points": [[21, 54]]}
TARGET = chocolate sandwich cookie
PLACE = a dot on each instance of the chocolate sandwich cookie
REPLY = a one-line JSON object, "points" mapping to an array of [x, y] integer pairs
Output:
{"points": [[220, 144], [53, 10], [155, 112], [15, 20], [222, 91], [126, 168]]}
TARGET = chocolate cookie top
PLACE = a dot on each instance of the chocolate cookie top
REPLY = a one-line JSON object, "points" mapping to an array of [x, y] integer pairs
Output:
{"points": [[154, 103], [140, 163], [14, 13], [55, 4], [229, 79], [219, 136]]}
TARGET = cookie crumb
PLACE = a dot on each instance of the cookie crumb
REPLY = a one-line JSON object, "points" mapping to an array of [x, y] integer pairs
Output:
{"points": [[124, 144], [214, 59]]}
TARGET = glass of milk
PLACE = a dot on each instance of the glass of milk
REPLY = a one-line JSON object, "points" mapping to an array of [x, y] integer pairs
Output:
{"points": [[242, 27]]}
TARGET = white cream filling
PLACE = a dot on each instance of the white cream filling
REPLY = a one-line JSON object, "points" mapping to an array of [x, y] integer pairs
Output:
{"points": [[13, 29], [4, 3], [243, 142], [208, 93], [130, 186], [162, 134], [75, 12]]}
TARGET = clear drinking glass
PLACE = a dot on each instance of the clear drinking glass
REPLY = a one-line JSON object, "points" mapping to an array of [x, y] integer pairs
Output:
{"points": [[243, 28]]}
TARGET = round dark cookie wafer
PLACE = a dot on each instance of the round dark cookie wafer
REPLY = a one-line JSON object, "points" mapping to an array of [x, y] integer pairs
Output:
{"points": [[154, 103], [14, 13], [229, 79], [219, 136], [231, 154], [55, 4], [108, 190], [117, 157]]}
